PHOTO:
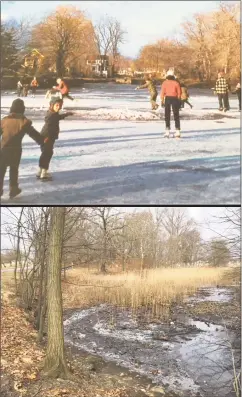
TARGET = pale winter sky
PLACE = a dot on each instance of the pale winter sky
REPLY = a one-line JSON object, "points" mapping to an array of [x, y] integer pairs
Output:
{"points": [[145, 21], [202, 215]]}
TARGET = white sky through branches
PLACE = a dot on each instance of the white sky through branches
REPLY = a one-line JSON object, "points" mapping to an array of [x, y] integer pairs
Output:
{"points": [[204, 216], [145, 21]]}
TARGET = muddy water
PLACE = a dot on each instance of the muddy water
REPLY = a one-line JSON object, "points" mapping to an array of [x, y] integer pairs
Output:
{"points": [[186, 356]]}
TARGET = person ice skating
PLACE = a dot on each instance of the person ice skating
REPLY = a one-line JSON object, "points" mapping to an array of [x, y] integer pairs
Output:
{"points": [[222, 91], [171, 97], [13, 128], [34, 84], [149, 83], [184, 96], [50, 132], [63, 89], [19, 88], [25, 86], [238, 92]]}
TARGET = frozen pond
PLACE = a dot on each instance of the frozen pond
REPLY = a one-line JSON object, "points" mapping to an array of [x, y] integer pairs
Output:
{"points": [[112, 151], [182, 355]]}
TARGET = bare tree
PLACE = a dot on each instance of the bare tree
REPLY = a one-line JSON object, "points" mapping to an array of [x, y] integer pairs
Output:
{"points": [[109, 34]]}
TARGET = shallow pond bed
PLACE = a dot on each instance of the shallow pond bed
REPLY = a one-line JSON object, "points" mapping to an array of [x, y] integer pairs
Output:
{"points": [[184, 355]]}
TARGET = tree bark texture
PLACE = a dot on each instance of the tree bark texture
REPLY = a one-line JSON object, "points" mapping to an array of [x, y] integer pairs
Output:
{"points": [[55, 364]]}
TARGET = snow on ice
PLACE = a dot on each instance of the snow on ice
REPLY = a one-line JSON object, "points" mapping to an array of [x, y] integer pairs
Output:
{"points": [[112, 151]]}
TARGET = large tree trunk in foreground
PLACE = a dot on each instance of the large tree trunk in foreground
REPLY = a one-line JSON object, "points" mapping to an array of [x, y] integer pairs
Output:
{"points": [[55, 364]]}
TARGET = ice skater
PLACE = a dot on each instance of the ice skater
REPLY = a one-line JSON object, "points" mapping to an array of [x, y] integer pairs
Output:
{"points": [[170, 98], [50, 133], [150, 84], [34, 84], [222, 91], [13, 128], [19, 89], [184, 96], [63, 89]]}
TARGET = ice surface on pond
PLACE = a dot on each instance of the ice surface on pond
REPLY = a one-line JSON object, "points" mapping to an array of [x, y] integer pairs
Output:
{"points": [[113, 152]]}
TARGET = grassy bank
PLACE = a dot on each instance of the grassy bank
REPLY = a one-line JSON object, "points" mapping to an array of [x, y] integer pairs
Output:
{"points": [[155, 291]]}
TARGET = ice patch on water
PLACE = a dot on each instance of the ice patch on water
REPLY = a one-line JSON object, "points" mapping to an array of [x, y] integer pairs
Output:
{"points": [[124, 334]]}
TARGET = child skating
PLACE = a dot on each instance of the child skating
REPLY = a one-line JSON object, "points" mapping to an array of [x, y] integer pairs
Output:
{"points": [[13, 128], [50, 132]]}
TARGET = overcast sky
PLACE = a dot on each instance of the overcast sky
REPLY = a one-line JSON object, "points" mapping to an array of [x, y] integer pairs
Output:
{"points": [[206, 217], [145, 21]]}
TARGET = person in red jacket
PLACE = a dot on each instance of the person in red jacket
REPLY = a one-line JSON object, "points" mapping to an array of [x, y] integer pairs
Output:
{"points": [[171, 97], [63, 89]]}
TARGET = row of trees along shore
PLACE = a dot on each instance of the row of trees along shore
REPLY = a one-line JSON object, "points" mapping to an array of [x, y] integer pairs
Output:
{"points": [[207, 42], [45, 238]]}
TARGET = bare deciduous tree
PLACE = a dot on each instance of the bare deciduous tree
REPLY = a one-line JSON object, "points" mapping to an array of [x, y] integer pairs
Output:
{"points": [[109, 34]]}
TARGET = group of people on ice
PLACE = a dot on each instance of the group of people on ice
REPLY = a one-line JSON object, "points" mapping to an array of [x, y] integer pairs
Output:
{"points": [[15, 125], [174, 94], [23, 87]]}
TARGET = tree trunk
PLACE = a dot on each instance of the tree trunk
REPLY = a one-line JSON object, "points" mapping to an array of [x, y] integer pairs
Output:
{"points": [[60, 64], [104, 258], [17, 249], [43, 313], [42, 268], [55, 363]]}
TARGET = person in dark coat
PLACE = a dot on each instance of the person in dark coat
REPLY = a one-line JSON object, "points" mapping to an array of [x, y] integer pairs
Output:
{"points": [[25, 86], [184, 96], [13, 128], [50, 133]]}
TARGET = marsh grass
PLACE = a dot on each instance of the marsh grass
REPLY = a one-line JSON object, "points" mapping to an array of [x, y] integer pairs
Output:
{"points": [[155, 291]]}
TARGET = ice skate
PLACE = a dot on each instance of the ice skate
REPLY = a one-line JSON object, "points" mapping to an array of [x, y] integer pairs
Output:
{"points": [[177, 134], [39, 173], [14, 191], [45, 176], [167, 133]]}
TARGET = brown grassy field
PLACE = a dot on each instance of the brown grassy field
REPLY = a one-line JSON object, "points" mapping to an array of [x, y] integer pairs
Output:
{"points": [[157, 289]]}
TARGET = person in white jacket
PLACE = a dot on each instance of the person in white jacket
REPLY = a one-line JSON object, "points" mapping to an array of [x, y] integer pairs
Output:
{"points": [[19, 88]]}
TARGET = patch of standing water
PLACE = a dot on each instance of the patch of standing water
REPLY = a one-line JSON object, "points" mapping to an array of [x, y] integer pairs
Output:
{"points": [[211, 294], [208, 359]]}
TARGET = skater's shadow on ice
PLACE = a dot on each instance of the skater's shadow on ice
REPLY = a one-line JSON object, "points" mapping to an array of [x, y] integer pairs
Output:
{"points": [[175, 182], [98, 140], [210, 133]]}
